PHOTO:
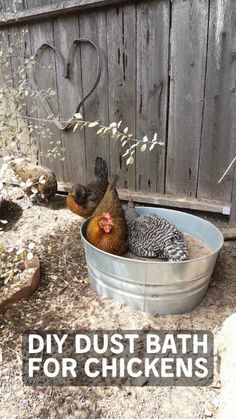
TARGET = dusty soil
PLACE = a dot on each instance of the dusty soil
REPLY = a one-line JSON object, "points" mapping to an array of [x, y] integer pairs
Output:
{"points": [[64, 300], [196, 247]]}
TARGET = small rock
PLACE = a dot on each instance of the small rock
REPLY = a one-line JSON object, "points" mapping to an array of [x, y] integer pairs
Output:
{"points": [[146, 327], [208, 413], [215, 402]]}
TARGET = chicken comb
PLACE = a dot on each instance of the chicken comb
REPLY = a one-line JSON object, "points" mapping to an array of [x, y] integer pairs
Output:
{"points": [[107, 215]]}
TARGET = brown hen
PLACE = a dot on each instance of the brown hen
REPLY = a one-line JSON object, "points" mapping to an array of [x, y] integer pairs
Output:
{"points": [[38, 179], [82, 200], [107, 228]]}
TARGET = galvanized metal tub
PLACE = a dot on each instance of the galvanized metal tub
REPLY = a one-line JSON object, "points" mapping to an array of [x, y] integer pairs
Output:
{"points": [[152, 286]]}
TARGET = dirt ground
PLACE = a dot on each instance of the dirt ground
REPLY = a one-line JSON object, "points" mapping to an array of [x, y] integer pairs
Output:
{"points": [[64, 300]]}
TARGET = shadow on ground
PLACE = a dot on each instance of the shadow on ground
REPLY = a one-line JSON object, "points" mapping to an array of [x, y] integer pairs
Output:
{"points": [[11, 212]]}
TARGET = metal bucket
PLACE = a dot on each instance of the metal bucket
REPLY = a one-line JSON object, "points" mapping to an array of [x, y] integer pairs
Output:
{"points": [[152, 286]]}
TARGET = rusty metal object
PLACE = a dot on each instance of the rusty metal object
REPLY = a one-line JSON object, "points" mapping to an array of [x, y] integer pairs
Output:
{"points": [[67, 65]]}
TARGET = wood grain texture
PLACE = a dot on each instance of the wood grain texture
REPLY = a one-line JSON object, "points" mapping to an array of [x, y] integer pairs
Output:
{"points": [[70, 92], [10, 8], [93, 26], [52, 8], [175, 201], [165, 200], [5, 72], [152, 78], [218, 145], [121, 60], [46, 76], [232, 220], [187, 79], [134, 37], [18, 40], [229, 234]]}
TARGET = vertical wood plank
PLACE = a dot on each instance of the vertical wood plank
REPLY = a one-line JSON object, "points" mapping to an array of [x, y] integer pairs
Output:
{"points": [[187, 79], [8, 6], [93, 26], [134, 40], [152, 81], [218, 145], [232, 220], [121, 47], [18, 38], [66, 30], [46, 76], [31, 4], [5, 73]]}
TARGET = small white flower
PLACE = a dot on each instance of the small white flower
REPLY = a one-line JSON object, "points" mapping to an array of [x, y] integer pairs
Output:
{"points": [[113, 125], [31, 246], [42, 180], [20, 251], [78, 116], [29, 183], [93, 124], [143, 147], [155, 137], [19, 160], [7, 158], [30, 256], [130, 160], [34, 191]]}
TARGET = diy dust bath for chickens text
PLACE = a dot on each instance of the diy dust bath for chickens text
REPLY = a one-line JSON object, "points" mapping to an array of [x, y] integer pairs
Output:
{"points": [[115, 358]]}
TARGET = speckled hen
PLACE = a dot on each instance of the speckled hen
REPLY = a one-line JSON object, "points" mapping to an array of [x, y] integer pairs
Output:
{"points": [[153, 237]]}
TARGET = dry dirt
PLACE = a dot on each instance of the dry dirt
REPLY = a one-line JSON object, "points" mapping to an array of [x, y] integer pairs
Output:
{"points": [[64, 300]]}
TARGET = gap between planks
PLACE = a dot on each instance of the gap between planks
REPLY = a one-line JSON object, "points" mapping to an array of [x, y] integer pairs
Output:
{"points": [[166, 200]]}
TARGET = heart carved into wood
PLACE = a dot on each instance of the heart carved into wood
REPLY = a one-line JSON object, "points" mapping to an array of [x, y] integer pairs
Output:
{"points": [[67, 65]]}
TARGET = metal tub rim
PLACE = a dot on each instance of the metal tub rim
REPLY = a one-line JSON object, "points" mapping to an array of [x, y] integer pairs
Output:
{"points": [[152, 261]]}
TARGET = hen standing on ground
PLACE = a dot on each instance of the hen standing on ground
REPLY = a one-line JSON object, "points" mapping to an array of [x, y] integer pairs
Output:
{"points": [[107, 228], [154, 237], [36, 178], [82, 200]]}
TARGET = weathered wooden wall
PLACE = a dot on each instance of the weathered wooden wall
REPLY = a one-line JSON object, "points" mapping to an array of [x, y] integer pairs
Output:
{"points": [[168, 67]]}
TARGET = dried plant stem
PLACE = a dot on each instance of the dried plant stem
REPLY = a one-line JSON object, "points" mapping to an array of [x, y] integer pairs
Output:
{"points": [[228, 168]]}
